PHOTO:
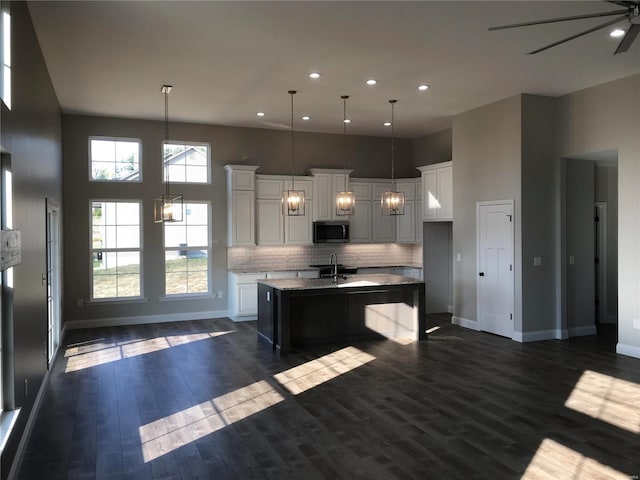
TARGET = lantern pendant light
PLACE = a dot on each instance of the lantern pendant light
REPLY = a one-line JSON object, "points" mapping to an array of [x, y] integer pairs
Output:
{"points": [[292, 200], [392, 202], [167, 207], [345, 200]]}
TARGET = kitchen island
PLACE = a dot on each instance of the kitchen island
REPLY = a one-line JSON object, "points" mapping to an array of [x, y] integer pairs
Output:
{"points": [[296, 312]]}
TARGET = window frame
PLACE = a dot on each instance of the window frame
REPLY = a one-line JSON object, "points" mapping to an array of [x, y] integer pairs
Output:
{"points": [[6, 72], [209, 249], [140, 250], [114, 139], [185, 144]]}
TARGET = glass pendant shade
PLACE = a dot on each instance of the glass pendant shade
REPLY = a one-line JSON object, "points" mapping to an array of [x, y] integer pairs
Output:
{"points": [[168, 208], [392, 203], [345, 201], [293, 202]]}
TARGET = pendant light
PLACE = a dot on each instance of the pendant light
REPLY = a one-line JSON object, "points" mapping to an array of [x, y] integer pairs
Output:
{"points": [[292, 200], [345, 200], [392, 202], [167, 207]]}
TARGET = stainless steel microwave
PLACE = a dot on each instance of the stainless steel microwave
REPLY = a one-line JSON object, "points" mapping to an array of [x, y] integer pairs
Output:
{"points": [[330, 232]]}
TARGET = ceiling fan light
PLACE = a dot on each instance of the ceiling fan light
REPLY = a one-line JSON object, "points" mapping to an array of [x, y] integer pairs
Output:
{"points": [[617, 33]]}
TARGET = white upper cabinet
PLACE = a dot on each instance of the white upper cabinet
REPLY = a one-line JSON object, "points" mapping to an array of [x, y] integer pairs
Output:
{"points": [[273, 227], [241, 205], [406, 224], [326, 184], [437, 192]]}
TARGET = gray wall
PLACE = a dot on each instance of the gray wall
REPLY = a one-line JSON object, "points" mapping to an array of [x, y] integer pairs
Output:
{"points": [[606, 117], [607, 191], [31, 134], [579, 191], [367, 156], [432, 148], [540, 187], [486, 166]]}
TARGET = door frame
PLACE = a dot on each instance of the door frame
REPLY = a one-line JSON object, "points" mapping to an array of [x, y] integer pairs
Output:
{"points": [[601, 253], [511, 203], [53, 334]]}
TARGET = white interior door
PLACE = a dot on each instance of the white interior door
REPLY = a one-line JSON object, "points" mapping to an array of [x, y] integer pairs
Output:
{"points": [[495, 267]]}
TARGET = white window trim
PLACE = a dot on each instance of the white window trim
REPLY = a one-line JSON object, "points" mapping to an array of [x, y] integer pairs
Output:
{"points": [[114, 139], [182, 142], [136, 299], [183, 296]]}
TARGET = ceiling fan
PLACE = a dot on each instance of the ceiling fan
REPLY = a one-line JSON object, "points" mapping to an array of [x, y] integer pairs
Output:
{"points": [[631, 13]]}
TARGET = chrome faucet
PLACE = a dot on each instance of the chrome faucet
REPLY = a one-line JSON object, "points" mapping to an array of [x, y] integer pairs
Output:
{"points": [[333, 259]]}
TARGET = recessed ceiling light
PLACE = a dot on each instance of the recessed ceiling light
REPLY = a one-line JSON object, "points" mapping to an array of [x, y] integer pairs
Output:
{"points": [[306, 117], [346, 120], [423, 87], [314, 75], [618, 32], [260, 114], [371, 81], [387, 124]]}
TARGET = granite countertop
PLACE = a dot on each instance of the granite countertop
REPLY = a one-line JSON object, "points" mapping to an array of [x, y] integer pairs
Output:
{"points": [[348, 281]]}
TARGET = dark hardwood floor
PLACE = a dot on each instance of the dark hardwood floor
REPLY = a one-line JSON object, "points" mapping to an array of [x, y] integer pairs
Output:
{"points": [[205, 400]]}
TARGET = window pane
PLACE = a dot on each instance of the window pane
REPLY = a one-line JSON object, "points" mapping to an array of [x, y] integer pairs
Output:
{"points": [[128, 262], [197, 236], [98, 235], [117, 160], [128, 213], [197, 282], [128, 237], [186, 163], [110, 238], [104, 286], [175, 261], [197, 213], [174, 235], [176, 283], [128, 285]]}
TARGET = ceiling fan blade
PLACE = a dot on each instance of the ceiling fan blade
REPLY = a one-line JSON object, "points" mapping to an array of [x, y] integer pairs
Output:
{"points": [[560, 19], [628, 39], [622, 3], [599, 27]]}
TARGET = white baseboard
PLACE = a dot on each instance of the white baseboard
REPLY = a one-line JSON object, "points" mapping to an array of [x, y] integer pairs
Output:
{"points": [[583, 331], [463, 322], [244, 318], [143, 319], [539, 335], [628, 350]]}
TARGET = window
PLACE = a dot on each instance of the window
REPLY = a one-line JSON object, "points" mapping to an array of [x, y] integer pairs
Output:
{"points": [[186, 163], [186, 247], [115, 230], [114, 160], [5, 76]]}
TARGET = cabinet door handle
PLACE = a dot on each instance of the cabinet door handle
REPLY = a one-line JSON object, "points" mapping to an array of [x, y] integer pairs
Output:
{"points": [[481, 274]]}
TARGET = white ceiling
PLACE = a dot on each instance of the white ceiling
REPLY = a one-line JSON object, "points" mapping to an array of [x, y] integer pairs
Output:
{"points": [[229, 60]]}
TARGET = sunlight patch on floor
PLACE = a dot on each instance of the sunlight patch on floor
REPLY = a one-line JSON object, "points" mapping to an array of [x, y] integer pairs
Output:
{"points": [[174, 431], [433, 329], [315, 372], [81, 356], [554, 461], [392, 320], [607, 398]]}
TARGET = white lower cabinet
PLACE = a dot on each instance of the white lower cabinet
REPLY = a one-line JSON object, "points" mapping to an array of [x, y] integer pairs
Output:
{"points": [[243, 295]]}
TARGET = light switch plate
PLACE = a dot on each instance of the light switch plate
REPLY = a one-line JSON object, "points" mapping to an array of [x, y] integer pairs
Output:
{"points": [[537, 261]]}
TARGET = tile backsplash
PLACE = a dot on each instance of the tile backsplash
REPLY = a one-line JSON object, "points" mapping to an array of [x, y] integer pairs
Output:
{"points": [[297, 258]]}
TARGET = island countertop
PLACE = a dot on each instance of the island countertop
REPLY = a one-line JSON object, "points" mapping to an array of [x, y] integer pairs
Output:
{"points": [[344, 281]]}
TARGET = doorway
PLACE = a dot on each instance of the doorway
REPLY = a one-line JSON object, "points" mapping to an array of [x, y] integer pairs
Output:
{"points": [[495, 286], [53, 278]]}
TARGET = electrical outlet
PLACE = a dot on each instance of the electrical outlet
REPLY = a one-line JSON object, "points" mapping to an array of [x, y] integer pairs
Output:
{"points": [[220, 294], [537, 261], [636, 323], [80, 302]]}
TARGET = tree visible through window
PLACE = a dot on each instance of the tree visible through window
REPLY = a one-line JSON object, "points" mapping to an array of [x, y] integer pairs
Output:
{"points": [[115, 230], [186, 163], [115, 160], [186, 246]]}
